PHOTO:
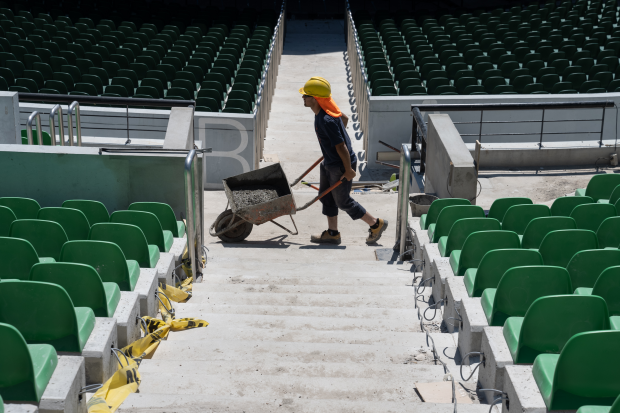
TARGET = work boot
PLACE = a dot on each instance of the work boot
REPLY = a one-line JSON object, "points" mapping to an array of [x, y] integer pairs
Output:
{"points": [[325, 238], [375, 233]]}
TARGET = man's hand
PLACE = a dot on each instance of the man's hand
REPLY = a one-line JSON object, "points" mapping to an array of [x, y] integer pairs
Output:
{"points": [[349, 174]]}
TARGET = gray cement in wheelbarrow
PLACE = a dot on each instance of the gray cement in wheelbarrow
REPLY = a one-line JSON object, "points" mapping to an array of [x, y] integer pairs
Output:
{"points": [[253, 195]]}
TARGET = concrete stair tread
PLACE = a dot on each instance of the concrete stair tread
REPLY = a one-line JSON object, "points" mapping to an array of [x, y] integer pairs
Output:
{"points": [[223, 277], [274, 288], [240, 403]]}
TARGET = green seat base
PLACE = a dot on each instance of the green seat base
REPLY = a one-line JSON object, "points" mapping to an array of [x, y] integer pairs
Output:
{"points": [[134, 273], [580, 192], [112, 297], [614, 322], [512, 330], [44, 362], [181, 229], [583, 291], [543, 372], [168, 240], [455, 257], [487, 300], [153, 256], [602, 201], [442, 244], [431, 231], [46, 259], [423, 221], [469, 280], [86, 324]]}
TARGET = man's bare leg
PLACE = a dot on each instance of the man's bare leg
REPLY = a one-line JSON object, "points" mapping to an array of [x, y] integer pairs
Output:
{"points": [[332, 223], [369, 219]]}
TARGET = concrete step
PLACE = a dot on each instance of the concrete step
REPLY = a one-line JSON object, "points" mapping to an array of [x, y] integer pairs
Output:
{"points": [[290, 253], [275, 288], [241, 403], [319, 267], [414, 340], [221, 277]]}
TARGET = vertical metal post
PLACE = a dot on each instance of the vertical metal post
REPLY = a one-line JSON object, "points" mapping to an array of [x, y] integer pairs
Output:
{"points": [[198, 214], [480, 129], [31, 118], [128, 141], [600, 143], [190, 211], [57, 109], [402, 219], [542, 125], [74, 106]]}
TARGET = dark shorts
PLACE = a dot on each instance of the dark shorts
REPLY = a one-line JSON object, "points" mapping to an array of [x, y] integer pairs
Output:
{"points": [[340, 197]]}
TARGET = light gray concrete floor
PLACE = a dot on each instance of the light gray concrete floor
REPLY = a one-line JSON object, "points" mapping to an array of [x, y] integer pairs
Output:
{"points": [[297, 327]]}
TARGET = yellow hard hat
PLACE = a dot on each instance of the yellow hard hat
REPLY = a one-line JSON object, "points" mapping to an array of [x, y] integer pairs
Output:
{"points": [[317, 87]]}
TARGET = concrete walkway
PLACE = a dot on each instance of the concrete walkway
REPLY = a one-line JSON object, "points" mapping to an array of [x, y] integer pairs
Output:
{"points": [[296, 327]]}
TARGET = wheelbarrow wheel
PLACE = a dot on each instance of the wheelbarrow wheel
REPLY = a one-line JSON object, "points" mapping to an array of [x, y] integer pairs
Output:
{"points": [[237, 234]]}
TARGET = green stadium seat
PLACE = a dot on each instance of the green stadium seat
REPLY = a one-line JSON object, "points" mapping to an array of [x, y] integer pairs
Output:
{"points": [[26, 368], [95, 211], [493, 266], [586, 266], [590, 216], [501, 205], [130, 239], [23, 208], [538, 228], [17, 257], [608, 233], [564, 205], [7, 216], [559, 247], [435, 209], [613, 198], [519, 287], [550, 322], [607, 286], [461, 229], [82, 283], [149, 224], [582, 374], [73, 221], [448, 216], [517, 217], [479, 243], [47, 237], [600, 186], [614, 408], [44, 314], [164, 213]]}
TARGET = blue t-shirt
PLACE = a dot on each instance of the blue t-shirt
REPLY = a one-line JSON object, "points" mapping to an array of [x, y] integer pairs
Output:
{"points": [[331, 132]]}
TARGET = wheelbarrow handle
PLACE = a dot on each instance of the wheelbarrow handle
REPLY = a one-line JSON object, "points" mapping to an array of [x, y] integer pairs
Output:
{"points": [[307, 172], [321, 195]]}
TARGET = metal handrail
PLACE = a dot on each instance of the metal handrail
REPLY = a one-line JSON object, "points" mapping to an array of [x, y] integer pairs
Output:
{"points": [[402, 217], [74, 106], [57, 109], [194, 213], [31, 118], [103, 100]]}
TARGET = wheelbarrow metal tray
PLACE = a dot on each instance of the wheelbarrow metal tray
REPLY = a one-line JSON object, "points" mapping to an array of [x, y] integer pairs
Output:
{"points": [[260, 213]]}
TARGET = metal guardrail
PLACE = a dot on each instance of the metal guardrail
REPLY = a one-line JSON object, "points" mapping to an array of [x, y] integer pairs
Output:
{"points": [[58, 110], [402, 217], [195, 214], [75, 106], [419, 132], [34, 115]]}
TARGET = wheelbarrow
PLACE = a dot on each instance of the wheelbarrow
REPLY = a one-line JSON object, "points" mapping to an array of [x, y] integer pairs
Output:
{"points": [[235, 223]]}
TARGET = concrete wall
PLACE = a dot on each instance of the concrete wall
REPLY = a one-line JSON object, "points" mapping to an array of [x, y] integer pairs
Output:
{"points": [[450, 169], [52, 175]]}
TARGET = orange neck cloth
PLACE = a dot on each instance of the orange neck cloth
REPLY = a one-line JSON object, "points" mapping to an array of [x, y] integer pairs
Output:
{"points": [[329, 106]]}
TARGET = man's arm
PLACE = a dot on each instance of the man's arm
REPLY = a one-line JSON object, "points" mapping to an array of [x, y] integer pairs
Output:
{"points": [[345, 120], [343, 152]]}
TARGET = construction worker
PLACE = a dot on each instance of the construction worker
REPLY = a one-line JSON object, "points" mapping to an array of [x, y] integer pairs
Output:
{"points": [[339, 163]]}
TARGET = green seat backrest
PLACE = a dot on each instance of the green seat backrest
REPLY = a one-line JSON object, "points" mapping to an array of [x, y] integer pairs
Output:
{"points": [[558, 247], [466, 226], [590, 216], [105, 257], [47, 237], [81, 281], [614, 408], [146, 221], [436, 207], [450, 214], [538, 228], [520, 286], [129, 238], [95, 211], [564, 205], [44, 314], [551, 321], [73, 221], [6, 218], [479, 243], [607, 286], [601, 186], [608, 233], [496, 262], [23, 208], [501, 205], [615, 195], [517, 217], [26, 370], [583, 373], [586, 266], [17, 256], [165, 214]]}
